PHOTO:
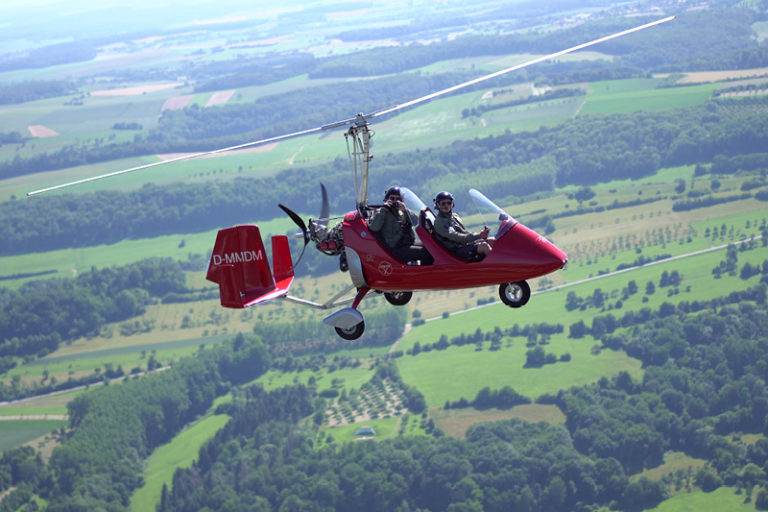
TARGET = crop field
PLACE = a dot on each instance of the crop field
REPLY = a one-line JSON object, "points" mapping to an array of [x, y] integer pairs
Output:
{"points": [[15, 433], [605, 100], [456, 422], [55, 404], [180, 452], [597, 243]]}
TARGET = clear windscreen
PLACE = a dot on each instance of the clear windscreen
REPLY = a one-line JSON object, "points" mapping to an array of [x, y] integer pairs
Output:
{"points": [[411, 200]]}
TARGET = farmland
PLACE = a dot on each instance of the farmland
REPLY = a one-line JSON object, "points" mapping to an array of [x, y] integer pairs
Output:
{"points": [[310, 397]]}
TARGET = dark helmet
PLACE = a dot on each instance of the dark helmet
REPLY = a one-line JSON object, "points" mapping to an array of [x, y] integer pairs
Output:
{"points": [[441, 196], [392, 191]]}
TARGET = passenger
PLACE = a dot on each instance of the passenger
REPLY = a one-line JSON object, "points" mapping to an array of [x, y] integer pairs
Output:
{"points": [[393, 223], [452, 234]]}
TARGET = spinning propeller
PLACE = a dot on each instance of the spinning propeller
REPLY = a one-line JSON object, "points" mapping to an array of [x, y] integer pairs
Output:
{"points": [[318, 228]]}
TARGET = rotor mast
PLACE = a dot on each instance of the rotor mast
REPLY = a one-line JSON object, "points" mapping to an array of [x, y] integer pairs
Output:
{"points": [[360, 155]]}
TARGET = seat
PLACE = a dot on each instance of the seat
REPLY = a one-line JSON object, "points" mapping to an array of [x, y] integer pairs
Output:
{"points": [[425, 230]]}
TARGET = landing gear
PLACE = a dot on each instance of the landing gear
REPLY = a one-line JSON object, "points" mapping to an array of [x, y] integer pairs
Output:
{"points": [[352, 333], [348, 322], [398, 298], [515, 294]]}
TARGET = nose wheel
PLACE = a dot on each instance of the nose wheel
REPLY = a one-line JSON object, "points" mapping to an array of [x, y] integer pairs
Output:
{"points": [[515, 294]]}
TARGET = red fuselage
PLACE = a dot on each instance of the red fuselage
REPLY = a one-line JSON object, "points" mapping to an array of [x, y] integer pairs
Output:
{"points": [[519, 253]]}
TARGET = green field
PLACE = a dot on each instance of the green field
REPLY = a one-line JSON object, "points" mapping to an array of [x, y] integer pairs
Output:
{"points": [[180, 452], [721, 499], [385, 428], [17, 432], [619, 96], [596, 243], [52, 404], [351, 378]]}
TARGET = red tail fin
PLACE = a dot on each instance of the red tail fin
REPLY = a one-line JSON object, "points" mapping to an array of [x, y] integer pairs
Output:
{"points": [[239, 265]]}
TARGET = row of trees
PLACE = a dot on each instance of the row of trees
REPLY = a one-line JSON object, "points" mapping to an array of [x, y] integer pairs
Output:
{"points": [[584, 150], [30, 90]]}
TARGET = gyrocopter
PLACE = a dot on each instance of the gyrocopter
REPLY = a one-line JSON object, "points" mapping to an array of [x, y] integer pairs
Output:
{"points": [[240, 267]]}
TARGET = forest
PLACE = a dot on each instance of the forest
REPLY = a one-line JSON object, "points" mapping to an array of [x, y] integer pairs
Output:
{"points": [[709, 383]]}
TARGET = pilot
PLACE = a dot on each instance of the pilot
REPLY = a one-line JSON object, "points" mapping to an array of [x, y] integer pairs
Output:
{"points": [[393, 223], [452, 234]]}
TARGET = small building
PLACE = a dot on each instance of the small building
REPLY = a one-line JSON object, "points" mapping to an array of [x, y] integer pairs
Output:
{"points": [[365, 430]]}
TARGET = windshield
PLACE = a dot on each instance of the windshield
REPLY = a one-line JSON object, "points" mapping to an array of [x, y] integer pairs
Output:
{"points": [[488, 210], [411, 200]]}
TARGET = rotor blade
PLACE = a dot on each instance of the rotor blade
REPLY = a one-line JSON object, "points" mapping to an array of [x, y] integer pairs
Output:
{"points": [[515, 68], [298, 220], [178, 159], [325, 210]]}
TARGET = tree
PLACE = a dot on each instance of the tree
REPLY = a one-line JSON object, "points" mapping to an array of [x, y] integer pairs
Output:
{"points": [[761, 500], [707, 479], [583, 194], [577, 330]]}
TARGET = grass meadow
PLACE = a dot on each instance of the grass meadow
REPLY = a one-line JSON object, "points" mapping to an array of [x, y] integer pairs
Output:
{"points": [[385, 428], [451, 374], [721, 499], [18, 432], [618, 96], [39, 406], [349, 378], [180, 452]]}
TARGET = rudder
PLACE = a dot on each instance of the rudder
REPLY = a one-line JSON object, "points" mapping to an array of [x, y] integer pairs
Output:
{"points": [[239, 265]]}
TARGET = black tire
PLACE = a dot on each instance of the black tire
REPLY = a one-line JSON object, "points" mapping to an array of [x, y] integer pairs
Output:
{"points": [[352, 333], [515, 294], [398, 298]]}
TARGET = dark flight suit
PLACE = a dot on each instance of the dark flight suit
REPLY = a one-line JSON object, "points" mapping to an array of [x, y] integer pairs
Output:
{"points": [[452, 234], [395, 230]]}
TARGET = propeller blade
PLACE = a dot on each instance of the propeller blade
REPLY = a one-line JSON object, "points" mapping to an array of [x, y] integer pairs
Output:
{"points": [[325, 210], [515, 68], [299, 222]]}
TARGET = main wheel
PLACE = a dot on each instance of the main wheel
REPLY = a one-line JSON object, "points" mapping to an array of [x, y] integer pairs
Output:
{"points": [[515, 294], [352, 333], [398, 298]]}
